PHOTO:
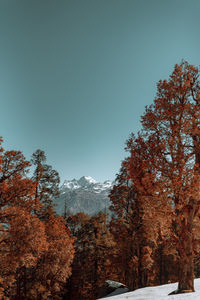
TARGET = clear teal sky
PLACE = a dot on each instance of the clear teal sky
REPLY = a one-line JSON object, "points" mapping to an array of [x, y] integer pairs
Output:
{"points": [[75, 75]]}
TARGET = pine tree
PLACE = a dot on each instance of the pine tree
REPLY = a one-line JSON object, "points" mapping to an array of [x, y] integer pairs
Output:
{"points": [[47, 183]]}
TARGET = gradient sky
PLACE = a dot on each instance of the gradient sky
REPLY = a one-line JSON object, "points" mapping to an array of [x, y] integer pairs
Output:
{"points": [[75, 75]]}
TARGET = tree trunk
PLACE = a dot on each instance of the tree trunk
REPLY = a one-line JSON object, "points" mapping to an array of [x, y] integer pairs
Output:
{"points": [[186, 266], [18, 282], [186, 262], [160, 252]]}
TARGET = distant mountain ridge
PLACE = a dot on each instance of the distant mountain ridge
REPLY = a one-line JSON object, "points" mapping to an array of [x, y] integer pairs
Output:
{"points": [[83, 195]]}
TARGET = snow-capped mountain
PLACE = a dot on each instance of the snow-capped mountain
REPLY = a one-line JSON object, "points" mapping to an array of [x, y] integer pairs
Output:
{"points": [[83, 195]]}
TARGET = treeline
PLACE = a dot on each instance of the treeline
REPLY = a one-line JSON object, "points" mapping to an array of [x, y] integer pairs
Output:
{"points": [[152, 233]]}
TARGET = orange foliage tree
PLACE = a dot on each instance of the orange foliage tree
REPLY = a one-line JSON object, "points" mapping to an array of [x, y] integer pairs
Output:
{"points": [[162, 175], [22, 237], [95, 248], [27, 245], [137, 217], [171, 135], [48, 278]]}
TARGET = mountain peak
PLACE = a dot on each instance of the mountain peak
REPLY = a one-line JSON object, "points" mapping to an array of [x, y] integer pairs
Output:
{"points": [[85, 194], [87, 183], [85, 180]]}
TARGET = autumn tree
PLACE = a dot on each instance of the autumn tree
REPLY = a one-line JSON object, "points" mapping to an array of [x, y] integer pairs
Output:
{"points": [[171, 134], [137, 218], [22, 245], [95, 248], [33, 253], [47, 280], [47, 183], [122, 198], [22, 236]]}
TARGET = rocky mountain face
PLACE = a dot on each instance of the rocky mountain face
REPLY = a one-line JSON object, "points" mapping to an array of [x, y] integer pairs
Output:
{"points": [[83, 195]]}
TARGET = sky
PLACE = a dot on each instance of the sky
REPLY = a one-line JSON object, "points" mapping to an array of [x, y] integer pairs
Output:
{"points": [[76, 75]]}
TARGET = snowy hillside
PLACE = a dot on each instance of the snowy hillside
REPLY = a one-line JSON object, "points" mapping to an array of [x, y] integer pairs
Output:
{"points": [[83, 195], [159, 293]]}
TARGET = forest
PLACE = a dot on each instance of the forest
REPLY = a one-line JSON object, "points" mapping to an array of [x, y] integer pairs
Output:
{"points": [[151, 235]]}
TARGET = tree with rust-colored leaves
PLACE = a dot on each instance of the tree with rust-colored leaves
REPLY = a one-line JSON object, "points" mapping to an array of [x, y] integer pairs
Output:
{"points": [[164, 170], [94, 252], [33, 253], [22, 235], [171, 131], [137, 218], [47, 280]]}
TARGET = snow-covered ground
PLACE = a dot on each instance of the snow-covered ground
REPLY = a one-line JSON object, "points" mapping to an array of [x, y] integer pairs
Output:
{"points": [[159, 293]]}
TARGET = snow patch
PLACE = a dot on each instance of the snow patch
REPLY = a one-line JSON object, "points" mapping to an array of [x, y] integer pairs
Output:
{"points": [[90, 179], [159, 293]]}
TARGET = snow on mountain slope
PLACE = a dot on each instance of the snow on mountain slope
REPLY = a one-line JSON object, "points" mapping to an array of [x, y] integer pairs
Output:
{"points": [[83, 195], [159, 293], [87, 183]]}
